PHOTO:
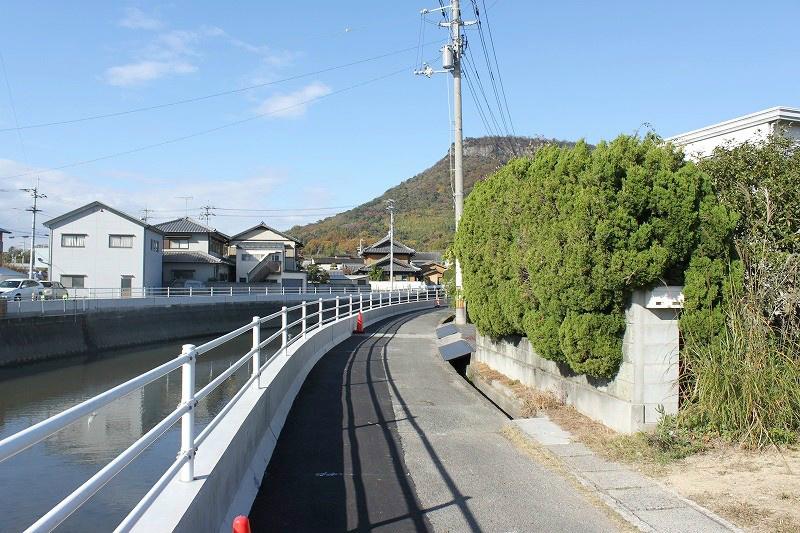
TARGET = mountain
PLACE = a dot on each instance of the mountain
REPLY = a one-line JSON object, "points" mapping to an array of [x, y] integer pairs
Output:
{"points": [[424, 216]]}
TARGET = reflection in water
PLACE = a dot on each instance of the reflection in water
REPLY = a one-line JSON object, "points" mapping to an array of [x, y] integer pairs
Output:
{"points": [[37, 479]]}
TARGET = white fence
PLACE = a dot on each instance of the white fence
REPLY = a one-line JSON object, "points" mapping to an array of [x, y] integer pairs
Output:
{"points": [[111, 299], [313, 317]]}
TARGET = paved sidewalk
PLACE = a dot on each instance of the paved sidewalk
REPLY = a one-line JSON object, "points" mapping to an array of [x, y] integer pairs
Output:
{"points": [[385, 436], [640, 499]]}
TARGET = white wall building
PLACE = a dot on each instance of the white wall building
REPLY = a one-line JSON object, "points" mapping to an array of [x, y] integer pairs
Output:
{"points": [[264, 254], [195, 251], [700, 143], [97, 246]]}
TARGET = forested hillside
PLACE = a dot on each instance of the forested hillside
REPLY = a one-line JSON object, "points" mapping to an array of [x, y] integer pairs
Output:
{"points": [[424, 213]]}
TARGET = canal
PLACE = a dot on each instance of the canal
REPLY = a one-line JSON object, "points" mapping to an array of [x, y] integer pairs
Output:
{"points": [[35, 480]]}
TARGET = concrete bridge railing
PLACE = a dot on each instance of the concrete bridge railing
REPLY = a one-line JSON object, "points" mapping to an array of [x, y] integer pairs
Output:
{"points": [[203, 488]]}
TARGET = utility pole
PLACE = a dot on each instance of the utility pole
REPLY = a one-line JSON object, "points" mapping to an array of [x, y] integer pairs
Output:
{"points": [[35, 194], [207, 213], [390, 208], [451, 62], [146, 214]]}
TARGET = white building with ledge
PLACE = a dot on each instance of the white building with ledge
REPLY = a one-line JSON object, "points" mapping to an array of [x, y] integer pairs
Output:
{"points": [[700, 143]]}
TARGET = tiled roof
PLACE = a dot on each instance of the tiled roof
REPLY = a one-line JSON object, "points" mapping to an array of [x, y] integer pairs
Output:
{"points": [[184, 225], [400, 267], [262, 225], [382, 247], [338, 260], [193, 256], [427, 257]]}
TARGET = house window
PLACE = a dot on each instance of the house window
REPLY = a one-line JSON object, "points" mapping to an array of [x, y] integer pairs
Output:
{"points": [[73, 240], [215, 247], [155, 245], [252, 257], [73, 281], [178, 244], [183, 274], [120, 241]]}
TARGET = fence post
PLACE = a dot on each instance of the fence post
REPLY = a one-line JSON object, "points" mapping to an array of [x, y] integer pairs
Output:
{"points": [[350, 310], [212, 291], [418, 294], [305, 313], [167, 292], [284, 331], [370, 301], [360, 302], [320, 313], [187, 420], [337, 309], [248, 290], [283, 290], [256, 342]]}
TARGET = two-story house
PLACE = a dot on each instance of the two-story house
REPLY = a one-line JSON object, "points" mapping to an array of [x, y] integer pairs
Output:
{"points": [[378, 255], [195, 251], [266, 255], [97, 246]]}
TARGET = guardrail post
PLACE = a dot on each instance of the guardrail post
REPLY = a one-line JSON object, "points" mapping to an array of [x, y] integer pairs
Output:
{"points": [[304, 319], [360, 302], [212, 291], [284, 331], [370, 301], [231, 290], [187, 420], [350, 309], [320, 313], [336, 315], [167, 292], [256, 342], [283, 289], [249, 292]]}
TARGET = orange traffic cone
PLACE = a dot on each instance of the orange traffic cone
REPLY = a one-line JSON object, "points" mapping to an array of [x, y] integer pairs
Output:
{"points": [[437, 301], [359, 323], [241, 524]]}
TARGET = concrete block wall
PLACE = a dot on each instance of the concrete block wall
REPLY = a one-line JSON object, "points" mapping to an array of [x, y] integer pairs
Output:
{"points": [[232, 460], [647, 377]]}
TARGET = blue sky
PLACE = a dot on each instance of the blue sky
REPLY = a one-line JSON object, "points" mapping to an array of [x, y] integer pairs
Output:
{"points": [[570, 69]]}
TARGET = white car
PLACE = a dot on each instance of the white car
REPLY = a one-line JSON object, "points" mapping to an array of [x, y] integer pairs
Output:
{"points": [[20, 289]]}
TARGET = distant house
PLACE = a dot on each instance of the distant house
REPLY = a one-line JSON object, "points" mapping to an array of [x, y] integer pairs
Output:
{"points": [[195, 251], [1, 243], [700, 143], [377, 255], [431, 265], [266, 255], [344, 263], [97, 246]]}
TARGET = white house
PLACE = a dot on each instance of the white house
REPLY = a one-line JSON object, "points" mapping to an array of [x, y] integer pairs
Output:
{"points": [[195, 251], [264, 254], [753, 127], [97, 246]]}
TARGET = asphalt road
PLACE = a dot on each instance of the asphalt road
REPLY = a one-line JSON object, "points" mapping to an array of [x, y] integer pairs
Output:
{"points": [[385, 436]]}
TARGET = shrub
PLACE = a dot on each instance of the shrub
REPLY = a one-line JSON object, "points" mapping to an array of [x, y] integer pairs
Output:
{"points": [[553, 246]]}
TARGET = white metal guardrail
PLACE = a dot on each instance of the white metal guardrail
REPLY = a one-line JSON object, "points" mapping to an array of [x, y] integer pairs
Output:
{"points": [[227, 290], [313, 315]]}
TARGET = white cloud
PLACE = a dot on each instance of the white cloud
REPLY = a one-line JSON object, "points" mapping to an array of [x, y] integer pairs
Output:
{"points": [[136, 19], [293, 104], [145, 71]]}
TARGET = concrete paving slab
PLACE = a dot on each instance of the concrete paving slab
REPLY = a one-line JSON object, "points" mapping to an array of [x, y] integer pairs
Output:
{"points": [[591, 463], [543, 430], [646, 498], [572, 449], [618, 479], [684, 520]]}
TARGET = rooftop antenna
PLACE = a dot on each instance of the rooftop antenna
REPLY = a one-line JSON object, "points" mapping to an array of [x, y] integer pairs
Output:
{"points": [[186, 199]]}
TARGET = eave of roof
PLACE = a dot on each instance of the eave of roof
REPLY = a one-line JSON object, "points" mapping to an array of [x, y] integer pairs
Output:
{"points": [[187, 225], [262, 225], [766, 116], [94, 204], [194, 256]]}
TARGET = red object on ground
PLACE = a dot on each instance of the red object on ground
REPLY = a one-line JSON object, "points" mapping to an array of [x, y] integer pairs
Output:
{"points": [[437, 301], [359, 324], [241, 524]]}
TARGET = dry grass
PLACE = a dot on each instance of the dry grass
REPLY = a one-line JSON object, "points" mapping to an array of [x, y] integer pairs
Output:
{"points": [[759, 490]]}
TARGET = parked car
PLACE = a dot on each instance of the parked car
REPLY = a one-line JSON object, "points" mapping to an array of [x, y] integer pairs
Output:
{"points": [[53, 290], [182, 286], [20, 289]]}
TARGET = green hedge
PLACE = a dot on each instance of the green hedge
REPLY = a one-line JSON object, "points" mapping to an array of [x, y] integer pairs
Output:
{"points": [[553, 246]]}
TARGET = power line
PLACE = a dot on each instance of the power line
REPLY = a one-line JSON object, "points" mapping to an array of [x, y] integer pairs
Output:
{"points": [[497, 65], [214, 95], [207, 131]]}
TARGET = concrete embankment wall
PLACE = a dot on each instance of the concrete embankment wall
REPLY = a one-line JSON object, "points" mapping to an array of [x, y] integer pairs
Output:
{"points": [[30, 339], [231, 462], [647, 378]]}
